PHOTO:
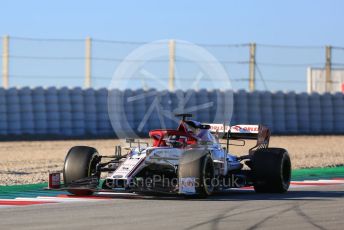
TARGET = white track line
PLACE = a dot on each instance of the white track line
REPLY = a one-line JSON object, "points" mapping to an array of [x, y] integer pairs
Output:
{"points": [[54, 199], [67, 199], [333, 181]]}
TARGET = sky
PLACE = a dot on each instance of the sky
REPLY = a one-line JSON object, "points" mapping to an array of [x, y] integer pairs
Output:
{"points": [[302, 22]]}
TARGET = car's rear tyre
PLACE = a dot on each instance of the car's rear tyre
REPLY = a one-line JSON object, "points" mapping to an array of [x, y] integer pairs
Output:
{"points": [[271, 170], [80, 162]]}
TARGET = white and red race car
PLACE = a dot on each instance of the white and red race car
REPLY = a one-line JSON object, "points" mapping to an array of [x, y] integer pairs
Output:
{"points": [[189, 160]]}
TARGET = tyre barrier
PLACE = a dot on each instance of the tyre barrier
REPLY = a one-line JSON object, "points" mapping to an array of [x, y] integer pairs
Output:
{"points": [[65, 112], [79, 112], [338, 112], [90, 110], [240, 107], [278, 110], [204, 106], [266, 114], [166, 105], [3, 112], [103, 121], [26, 111], [39, 110], [130, 111], [253, 108], [151, 118], [315, 113], [116, 110], [228, 107], [213, 99], [13, 112], [52, 110], [189, 100], [302, 107], [290, 112], [326, 112]]}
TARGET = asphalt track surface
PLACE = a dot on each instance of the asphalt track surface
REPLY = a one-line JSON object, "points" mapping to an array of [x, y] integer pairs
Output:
{"points": [[319, 207]]}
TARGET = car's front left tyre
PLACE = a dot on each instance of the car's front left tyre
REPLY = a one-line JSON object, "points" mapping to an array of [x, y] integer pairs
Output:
{"points": [[199, 165], [80, 162]]}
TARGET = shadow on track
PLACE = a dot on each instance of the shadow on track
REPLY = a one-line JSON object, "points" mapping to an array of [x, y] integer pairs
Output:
{"points": [[291, 195], [243, 195]]}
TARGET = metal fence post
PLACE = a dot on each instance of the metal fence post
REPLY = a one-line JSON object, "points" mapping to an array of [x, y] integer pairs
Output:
{"points": [[88, 59], [5, 61], [252, 67], [172, 54], [328, 69]]}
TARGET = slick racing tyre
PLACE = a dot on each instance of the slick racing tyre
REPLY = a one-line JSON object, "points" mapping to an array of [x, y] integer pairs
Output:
{"points": [[271, 170], [80, 162], [206, 187], [196, 164]]}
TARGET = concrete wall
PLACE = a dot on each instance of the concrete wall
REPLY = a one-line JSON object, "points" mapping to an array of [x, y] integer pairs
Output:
{"points": [[79, 112]]}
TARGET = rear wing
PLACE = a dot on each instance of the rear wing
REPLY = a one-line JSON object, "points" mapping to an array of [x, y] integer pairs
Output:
{"points": [[243, 132]]}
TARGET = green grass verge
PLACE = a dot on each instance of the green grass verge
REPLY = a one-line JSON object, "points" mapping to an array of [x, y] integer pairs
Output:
{"points": [[318, 173], [26, 190], [21, 188]]}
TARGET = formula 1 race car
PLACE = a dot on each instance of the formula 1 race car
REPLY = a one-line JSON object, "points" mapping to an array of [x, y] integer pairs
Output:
{"points": [[189, 160]]}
